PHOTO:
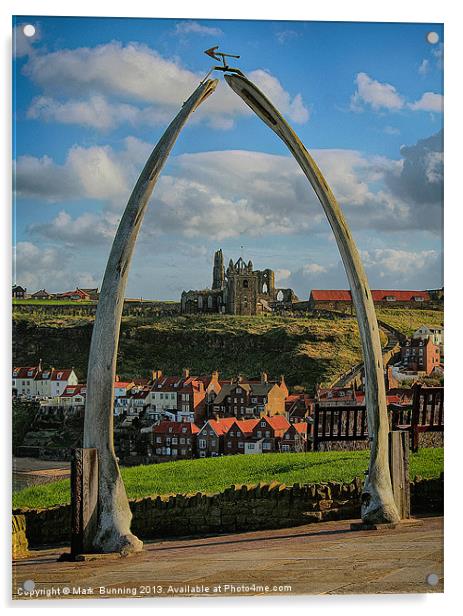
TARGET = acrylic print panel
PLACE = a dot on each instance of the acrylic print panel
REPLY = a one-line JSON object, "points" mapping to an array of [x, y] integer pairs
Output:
{"points": [[228, 344]]}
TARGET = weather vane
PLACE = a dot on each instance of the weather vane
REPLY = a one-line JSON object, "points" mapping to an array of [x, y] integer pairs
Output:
{"points": [[220, 57]]}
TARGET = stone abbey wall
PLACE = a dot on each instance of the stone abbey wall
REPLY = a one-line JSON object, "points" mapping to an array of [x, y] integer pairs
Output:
{"points": [[238, 508]]}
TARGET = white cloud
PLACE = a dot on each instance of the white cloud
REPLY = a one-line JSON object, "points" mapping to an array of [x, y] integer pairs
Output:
{"points": [[38, 267], [430, 101], [384, 96], [193, 27], [391, 268], [376, 94], [104, 86], [424, 67], [283, 36], [226, 194]]}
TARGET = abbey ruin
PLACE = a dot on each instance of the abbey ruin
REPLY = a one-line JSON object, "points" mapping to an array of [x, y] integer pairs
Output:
{"points": [[238, 290]]}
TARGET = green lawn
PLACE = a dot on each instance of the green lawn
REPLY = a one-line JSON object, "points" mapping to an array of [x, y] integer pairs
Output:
{"points": [[216, 474], [51, 302]]}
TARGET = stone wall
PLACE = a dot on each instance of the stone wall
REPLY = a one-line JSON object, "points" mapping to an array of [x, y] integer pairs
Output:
{"points": [[238, 508]]}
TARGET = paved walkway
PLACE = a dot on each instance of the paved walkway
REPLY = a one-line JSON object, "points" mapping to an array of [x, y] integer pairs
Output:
{"points": [[326, 558]]}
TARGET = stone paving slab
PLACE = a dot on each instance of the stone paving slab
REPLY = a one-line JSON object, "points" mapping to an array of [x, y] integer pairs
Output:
{"points": [[325, 558]]}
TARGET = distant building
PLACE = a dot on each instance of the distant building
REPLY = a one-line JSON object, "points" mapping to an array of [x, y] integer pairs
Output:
{"points": [[420, 355], [436, 334], [239, 290], [250, 399], [33, 381], [19, 292], [92, 293], [42, 294], [342, 299], [76, 296], [174, 440]]}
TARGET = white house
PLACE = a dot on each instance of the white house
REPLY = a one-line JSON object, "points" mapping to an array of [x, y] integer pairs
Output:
{"points": [[253, 446], [23, 380], [435, 333], [33, 381]]}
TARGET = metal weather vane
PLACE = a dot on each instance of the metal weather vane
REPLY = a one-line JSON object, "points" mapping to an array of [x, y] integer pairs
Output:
{"points": [[220, 56]]}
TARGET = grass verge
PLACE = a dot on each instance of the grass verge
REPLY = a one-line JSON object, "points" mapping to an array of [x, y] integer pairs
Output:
{"points": [[216, 474]]}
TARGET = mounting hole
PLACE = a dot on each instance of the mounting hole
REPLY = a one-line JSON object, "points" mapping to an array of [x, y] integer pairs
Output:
{"points": [[432, 579], [29, 30], [432, 38], [28, 585]]}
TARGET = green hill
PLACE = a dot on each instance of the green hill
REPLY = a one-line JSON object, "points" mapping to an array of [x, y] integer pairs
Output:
{"points": [[307, 350]]}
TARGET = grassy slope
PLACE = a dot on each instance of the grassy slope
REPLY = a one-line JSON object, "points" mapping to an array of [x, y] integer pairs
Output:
{"points": [[306, 350], [215, 474], [408, 321]]}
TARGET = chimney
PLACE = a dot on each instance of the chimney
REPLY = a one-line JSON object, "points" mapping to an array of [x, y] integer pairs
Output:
{"points": [[215, 376], [156, 375], [40, 365], [240, 378], [185, 373], [264, 377], [282, 379]]}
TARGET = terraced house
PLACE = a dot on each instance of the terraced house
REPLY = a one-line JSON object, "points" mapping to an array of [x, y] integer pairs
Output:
{"points": [[251, 399], [173, 440]]}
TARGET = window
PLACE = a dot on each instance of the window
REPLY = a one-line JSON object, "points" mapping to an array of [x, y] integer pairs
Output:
{"points": [[229, 445], [263, 424], [240, 445], [202, 443], [213, 442], [184, 429], [158, 439], [287, 436], [238, 390], [174, 440], [232, 433], [159, 450], [245, 284], [170, 428], [183, 452], [267, 433], [266, 446], [182, 441], [238, 433], [250, 445], [285, 448], [259, 433], [174, 452]]}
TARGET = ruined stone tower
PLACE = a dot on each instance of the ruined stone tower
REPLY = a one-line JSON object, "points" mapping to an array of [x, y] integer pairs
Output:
{"points": [[218, 272]]}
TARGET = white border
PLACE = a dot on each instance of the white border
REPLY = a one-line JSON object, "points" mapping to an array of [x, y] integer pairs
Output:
{"points": [[336, 10]]}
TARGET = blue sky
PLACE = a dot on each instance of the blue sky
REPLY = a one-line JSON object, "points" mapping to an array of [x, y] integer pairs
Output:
{"points": [[93, 95]]}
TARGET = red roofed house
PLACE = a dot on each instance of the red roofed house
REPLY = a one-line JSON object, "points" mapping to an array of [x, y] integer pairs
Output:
{"points": [[23, 380], [270, 431], [298, 407], [238, 432], [121, 395], [77, 295], [209, 440], [295, 438], [74, 395], [340, 299], [174, 440], [33, 381]]}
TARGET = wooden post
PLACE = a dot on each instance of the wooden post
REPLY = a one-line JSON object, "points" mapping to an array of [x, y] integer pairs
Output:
{"points": [[84, 499], [398, 466]]}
